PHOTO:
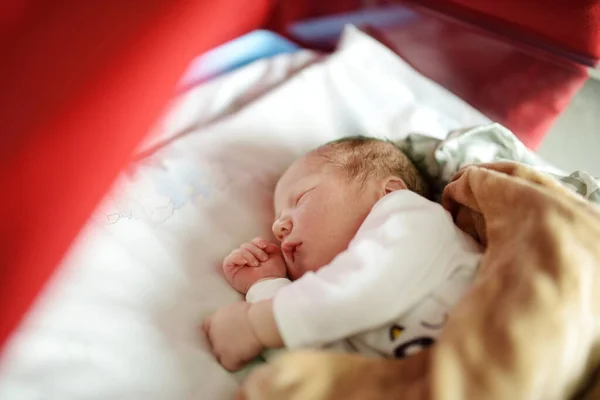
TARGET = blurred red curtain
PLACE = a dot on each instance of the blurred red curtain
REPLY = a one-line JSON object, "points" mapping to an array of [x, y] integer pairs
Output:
{"points": [[518, 62], [572, 25], [81, 82]]}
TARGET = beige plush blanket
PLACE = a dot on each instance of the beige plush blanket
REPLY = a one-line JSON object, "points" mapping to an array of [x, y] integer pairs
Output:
{"points": [[529, 328]]}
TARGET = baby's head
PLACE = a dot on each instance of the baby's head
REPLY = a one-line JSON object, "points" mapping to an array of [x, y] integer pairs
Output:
{"points": [[324, 197]]}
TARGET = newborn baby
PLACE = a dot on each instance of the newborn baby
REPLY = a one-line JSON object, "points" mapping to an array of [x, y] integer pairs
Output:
{"points": [[366, 263]]}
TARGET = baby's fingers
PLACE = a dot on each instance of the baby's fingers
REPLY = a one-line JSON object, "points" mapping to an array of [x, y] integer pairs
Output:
{"points": [[255, 251], [260, 242], [234, 259], [248, 256], [272, 249]]}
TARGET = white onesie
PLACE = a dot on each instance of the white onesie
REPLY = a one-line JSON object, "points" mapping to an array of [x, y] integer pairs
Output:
{"points": [[389, 293]]}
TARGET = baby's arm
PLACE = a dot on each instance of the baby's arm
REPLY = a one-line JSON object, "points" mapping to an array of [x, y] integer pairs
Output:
{"points": [[261, 312], [262, 320], [395, 260], [239, 332], [400, 254]]}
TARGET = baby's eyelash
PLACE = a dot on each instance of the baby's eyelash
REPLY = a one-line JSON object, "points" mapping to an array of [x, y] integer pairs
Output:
{"points": [[299, 197]]}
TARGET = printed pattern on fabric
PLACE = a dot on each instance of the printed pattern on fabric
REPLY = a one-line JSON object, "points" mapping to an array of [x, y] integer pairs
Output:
{"points": [[420, 326]]}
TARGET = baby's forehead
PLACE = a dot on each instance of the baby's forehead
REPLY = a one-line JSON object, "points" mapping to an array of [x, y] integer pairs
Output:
{"points": [[305, 167], [297, 170]]}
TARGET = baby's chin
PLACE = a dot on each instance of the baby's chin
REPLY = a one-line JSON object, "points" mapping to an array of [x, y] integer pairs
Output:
{"points": [[299, 268], [295, 271]]}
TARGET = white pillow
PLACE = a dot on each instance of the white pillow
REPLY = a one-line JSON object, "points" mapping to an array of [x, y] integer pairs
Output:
{"points": [[204, 104], [119, 319]]}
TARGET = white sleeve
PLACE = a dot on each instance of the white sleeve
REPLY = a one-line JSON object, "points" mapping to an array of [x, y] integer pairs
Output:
{"points": [[265, 289], [395, 259]]}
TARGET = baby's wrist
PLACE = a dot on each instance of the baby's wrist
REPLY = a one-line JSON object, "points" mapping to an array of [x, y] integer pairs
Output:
{"points": [[262, 321]]}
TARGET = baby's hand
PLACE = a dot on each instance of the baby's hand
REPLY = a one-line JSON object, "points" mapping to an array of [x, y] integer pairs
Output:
{"points": [[252, 262], [231, 336]]}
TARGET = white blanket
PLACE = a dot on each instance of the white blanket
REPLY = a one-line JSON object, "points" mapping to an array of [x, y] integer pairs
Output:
{"points": [[119, 320]]}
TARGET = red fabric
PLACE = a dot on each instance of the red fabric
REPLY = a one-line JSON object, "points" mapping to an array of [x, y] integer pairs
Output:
{"points": [[570, 24], [287, 12], [496, 68], [573, 25], [522, 90], [82, 81]]}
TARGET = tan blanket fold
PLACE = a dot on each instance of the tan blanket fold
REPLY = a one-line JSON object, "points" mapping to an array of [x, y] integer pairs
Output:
{"points": [[527, 330], [528, 326]]}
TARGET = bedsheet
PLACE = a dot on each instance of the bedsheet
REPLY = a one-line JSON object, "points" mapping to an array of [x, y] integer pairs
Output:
{"points": [[198, 105], [81, 83], [119, 319]]}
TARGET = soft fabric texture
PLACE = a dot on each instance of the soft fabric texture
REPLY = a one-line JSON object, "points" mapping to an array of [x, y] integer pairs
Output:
{"points": [[439, 160], [527, 330], [265, 289], [390, 290], [81, 83], [118, 320], [199, 106]]}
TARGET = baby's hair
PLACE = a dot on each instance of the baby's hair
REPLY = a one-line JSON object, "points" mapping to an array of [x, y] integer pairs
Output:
{"points": [[364, 157]]}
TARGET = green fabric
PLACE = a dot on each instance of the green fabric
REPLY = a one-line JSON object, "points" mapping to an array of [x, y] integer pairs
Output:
{"points": [[438, 160], [242, 374]]}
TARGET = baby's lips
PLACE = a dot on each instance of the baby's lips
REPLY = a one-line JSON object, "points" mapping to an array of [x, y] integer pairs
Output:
{"points": [[271, 248], [289, 247]]}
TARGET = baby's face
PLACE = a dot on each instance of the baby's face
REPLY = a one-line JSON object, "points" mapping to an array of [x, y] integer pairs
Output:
{"points": [[318, 211]]}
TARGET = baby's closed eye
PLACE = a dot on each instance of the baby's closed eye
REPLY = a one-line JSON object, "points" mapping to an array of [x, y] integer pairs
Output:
{"points": [[301, 196]]}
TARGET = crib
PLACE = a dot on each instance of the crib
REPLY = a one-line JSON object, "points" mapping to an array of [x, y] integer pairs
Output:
{"points": [[84, 82]]}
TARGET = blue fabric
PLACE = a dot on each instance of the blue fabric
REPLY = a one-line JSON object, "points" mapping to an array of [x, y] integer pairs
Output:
{"points": [[237, 53], [326, 31]]}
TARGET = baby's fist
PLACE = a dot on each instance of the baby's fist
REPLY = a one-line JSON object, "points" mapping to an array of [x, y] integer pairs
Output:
{"points": [[252, 262]]}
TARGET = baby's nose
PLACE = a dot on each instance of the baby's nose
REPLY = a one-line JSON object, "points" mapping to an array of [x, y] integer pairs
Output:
{"points": [[282, 227]]}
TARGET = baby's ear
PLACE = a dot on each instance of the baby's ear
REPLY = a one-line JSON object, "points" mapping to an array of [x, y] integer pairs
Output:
{"points": [[394, 183]]}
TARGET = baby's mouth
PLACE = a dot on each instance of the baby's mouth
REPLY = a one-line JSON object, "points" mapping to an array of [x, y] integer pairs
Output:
{"points": [[290, 249]]}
